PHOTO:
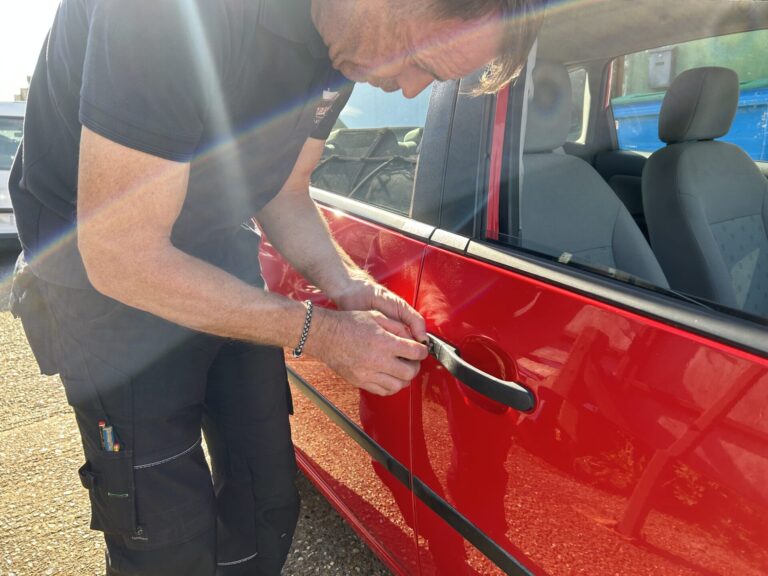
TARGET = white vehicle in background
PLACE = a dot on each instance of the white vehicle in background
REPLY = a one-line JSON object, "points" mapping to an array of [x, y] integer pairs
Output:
{"points": [[11, 122]]}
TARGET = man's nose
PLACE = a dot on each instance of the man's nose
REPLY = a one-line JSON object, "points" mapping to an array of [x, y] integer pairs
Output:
{"points": [[413, 81]]}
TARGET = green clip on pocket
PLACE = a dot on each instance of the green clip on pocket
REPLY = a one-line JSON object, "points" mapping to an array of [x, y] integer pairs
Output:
{"points": [[108, 477]]}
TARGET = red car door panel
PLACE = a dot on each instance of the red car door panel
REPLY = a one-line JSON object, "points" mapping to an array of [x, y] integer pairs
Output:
{"points": [[645, 453], [377, 502]]}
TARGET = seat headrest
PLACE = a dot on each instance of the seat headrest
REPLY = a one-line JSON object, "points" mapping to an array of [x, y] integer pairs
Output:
{"points": [[549, 109], [700, 105]]}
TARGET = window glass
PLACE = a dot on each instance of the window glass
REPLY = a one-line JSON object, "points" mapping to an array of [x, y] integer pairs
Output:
{"points": [[580, 99], [10, 136], [640, 81], [557, 207], [372, 153]]}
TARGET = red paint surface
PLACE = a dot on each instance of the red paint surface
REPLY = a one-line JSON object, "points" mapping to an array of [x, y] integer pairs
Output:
{"points": [[647, 452], [329, 488], [367, 493]]}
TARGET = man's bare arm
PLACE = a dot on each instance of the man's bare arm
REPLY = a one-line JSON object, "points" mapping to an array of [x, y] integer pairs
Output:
{"points": [[319, 259], [313, 254], [128, 202]]}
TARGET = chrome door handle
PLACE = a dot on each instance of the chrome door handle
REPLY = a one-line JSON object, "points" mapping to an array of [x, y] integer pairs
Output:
{"points": [[505, 392]]}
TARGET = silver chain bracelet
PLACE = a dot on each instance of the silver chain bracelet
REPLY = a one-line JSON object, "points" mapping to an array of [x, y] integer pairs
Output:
{"points": [[299, 350]]}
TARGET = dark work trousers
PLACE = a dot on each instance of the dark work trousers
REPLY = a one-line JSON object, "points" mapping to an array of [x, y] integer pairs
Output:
{"points": [[162, 511]]}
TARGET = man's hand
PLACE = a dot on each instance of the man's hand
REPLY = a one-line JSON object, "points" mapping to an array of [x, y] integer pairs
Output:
{"points": [[365, 294], [367, 349]]}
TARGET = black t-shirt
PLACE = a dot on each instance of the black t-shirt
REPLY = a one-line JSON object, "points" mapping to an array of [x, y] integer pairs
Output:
{"points": [[235, 87]]}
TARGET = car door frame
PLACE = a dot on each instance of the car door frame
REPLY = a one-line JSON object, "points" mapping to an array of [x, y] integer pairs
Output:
{"points": [[466, 192]]}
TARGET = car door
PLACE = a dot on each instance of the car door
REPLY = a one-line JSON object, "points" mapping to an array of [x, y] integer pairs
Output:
{"points": [[354, 445], [571, 421]]}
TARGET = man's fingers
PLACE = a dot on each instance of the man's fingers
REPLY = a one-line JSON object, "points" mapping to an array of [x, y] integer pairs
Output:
{"points": [[376, 389], [400, 369], [416, 324], [375, 353], [394, 307], [389, 384], [392, 326], [409, 349], [406, 370], [413, 320]]}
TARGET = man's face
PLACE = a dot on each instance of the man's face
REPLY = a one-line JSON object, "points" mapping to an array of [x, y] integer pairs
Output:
{"points": [[410, 55]]}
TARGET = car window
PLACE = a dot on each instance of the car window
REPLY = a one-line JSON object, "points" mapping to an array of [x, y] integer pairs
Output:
{"points": [[10, 137], [580, 107], [558, 207], [372, 153], [640, 81]]}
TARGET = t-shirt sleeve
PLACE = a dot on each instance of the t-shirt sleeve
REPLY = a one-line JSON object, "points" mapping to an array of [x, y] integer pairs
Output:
{"points": [[325, 124], [144, 79]]}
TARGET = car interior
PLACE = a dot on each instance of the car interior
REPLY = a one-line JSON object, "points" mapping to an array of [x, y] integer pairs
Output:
{"points": [[706, 202], [701, 202], [377, 166], [645, 154], [567, 209]]}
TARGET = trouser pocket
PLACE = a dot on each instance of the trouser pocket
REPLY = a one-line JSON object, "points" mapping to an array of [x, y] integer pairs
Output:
{"points": [[175, 498], [108, 477], [28, 303]]}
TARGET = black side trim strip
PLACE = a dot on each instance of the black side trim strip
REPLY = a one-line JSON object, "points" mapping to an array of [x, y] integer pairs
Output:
{"points": [[495, 553], [367, 443]]}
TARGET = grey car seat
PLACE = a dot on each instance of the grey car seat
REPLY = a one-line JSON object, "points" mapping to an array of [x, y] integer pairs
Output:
{"points": [[567, 208], [706, 202]]}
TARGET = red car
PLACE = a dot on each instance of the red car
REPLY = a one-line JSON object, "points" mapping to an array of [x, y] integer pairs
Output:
{"points": [[589, 249]]}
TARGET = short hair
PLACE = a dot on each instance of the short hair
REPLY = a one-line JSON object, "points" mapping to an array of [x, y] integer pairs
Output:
{"points": [[522, 21]]}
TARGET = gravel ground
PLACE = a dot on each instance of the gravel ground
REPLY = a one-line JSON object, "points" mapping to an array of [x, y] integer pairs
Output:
{"points": [[43, 510]]}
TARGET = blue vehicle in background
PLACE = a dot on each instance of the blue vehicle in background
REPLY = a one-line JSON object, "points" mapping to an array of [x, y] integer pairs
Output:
{"points": [[637, 121]]}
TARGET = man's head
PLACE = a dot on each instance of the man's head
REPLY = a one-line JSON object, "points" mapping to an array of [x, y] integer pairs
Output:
{"points": [[407, 44]]}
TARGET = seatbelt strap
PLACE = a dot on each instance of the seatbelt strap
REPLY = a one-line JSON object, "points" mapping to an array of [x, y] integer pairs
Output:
{"points": [[528, 95]]}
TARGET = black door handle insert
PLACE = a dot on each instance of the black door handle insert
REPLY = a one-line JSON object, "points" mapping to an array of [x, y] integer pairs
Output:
{"points": [[508, 393]]}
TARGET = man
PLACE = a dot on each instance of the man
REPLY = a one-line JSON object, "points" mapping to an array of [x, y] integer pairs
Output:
{"points": [[154, 129]]}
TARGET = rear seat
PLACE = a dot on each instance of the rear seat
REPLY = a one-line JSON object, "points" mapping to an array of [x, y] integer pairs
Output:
{"points": [[567, 208]]}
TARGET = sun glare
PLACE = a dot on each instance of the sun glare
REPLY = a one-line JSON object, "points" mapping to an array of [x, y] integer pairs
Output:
{"points": [[25, 24]]}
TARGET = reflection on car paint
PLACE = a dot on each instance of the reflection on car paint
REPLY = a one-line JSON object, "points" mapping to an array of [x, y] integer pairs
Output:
{"points": [[624, 454]]}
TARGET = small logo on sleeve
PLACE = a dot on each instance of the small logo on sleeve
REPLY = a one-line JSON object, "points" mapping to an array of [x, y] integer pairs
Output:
{"points": [[325, 106]]}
